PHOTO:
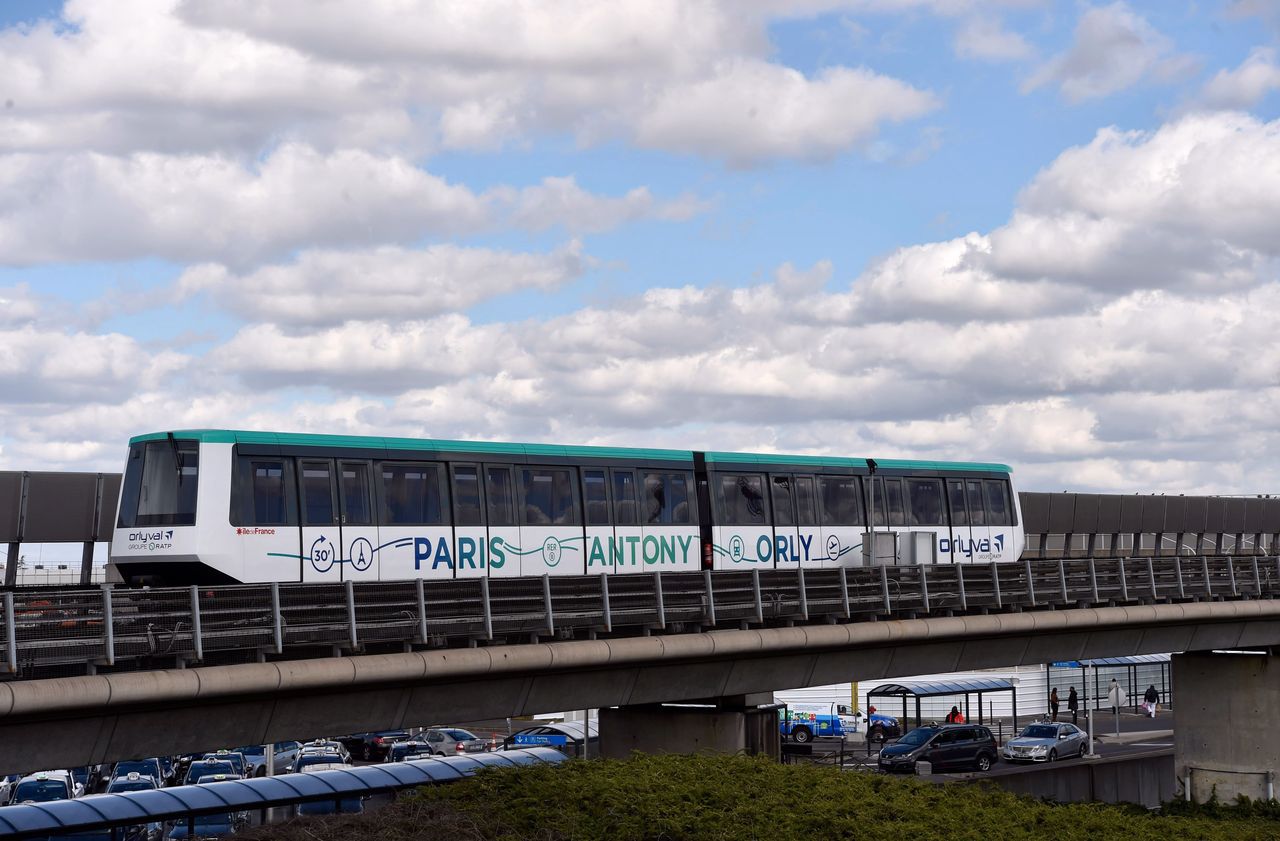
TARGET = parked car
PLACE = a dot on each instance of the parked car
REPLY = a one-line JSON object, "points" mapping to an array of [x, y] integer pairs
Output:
{"points": [[326, 746], [948, 748], [206, 768], [237, 760], [372, 746], [132, 781], [450, 741], [284, 755], [408, 749], [153, 767], [207, 826], [44, 787], [1046, 743], [881, 727], [565, 737], [311, 760]]}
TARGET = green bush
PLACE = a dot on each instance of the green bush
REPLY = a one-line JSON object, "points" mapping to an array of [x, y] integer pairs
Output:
{"points": [[681, 798]]}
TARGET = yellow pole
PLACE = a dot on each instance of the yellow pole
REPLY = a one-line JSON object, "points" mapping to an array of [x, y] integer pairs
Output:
{"points": [[853, 691]]}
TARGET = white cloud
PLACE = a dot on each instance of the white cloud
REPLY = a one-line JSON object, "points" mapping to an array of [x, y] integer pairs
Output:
{"points": [[751, 111], [199, 207], [1114, 48], [322, 287], [986, 39], [407, 77], [1245, 86]]}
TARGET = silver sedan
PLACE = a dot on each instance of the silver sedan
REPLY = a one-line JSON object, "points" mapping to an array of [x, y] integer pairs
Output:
{"points": [[1046, 743]]}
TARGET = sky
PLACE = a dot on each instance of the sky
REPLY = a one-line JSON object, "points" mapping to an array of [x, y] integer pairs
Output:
{"points": [[1036, 232]]}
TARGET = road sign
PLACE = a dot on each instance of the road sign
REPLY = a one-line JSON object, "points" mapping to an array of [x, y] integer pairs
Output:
{"points": [[545, 739]]}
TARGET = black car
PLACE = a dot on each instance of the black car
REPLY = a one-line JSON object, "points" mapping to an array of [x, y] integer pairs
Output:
{"points": [[372, 746], [950, 747]]}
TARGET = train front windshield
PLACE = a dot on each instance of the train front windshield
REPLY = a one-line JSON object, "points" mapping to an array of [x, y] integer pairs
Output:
{"points": [[159, 486]]}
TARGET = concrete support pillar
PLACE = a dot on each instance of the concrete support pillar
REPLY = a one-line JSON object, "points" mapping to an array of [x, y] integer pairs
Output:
{"points": [[728, 728], [1225, 737]]}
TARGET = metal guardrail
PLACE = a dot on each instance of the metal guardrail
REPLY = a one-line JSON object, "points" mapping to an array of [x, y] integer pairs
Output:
{"points": [[153, 628], [117, 811]]}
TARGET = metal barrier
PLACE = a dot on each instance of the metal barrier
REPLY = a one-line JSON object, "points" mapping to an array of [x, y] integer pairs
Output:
{"points": [[113, 811], [148, 628]]}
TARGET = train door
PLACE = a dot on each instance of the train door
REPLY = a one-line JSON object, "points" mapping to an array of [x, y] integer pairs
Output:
{"points": [[599, 525], [670, 527], [321, 536], [1005, 544], [359, 527], [808, 532], [503, 530], [744, 537], [267, 519], [624, 552], [980, 547], [961, 536], [786, 537], [840, 511], [551, 535], [470, 547]]}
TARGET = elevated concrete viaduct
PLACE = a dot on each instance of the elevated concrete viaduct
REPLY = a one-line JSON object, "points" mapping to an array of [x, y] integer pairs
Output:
{"points": [[80, 720]]}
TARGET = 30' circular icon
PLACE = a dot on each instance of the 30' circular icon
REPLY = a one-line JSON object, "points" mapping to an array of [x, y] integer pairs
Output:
{"points": [[833, 547], [361, 556], [322, 554], [552, 551], [736, 549]]}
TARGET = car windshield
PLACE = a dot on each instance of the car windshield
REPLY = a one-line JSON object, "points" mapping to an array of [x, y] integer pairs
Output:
{"points": [[205, 769], [40, 791], [252, 750], [1039, 731], [118, 786], [918, 736], [142, 766], [459, 735]]}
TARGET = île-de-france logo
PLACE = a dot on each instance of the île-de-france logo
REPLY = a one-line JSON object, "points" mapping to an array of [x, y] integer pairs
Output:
{"points": [[736, 549]]}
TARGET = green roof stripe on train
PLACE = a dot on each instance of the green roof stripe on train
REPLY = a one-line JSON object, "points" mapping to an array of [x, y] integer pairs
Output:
{"points": [[229, 436]]}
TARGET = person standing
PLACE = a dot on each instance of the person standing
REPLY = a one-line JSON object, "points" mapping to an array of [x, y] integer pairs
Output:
{"points": [[1073, 704], [1116, 697], [1053, 703]]}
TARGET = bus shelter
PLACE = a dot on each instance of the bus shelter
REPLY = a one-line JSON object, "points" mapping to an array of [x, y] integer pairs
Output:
{"points": [[958, 692], [1135, 673]]}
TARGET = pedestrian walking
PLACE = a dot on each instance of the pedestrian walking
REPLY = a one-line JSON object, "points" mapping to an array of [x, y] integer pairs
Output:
{"points": [[1073, 704], [955, 716], [1151, 701], [1053, 703]]}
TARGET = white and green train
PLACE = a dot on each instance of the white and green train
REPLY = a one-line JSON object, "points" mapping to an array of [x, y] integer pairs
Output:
{"points": [[221, 506]]}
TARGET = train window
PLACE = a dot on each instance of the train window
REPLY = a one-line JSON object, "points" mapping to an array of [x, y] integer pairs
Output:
{"points": [[624, 498], [997, 494], [977, 514], [466, 496], [354, 488], [925, 496], [413, 494], [666, 497], [595, 494], [955, 495], [806, 514], [160, 484], [548, 497], [269, 493], [317, 493], [894, 502], [875, 499], [840, 502], [499, 496], [742, 499], [784, 513]]}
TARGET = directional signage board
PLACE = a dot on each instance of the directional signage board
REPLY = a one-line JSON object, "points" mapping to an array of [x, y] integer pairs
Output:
{"points": [[544, 739]]}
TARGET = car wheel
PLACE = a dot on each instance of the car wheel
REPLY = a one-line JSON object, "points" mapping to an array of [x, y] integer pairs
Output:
{"points": [[802, 735], [984, 762], [1084, 750], [1053, 756], [876, 734]]}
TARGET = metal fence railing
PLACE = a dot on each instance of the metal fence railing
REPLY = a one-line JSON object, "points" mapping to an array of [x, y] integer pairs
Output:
{"points": [[47, 630]]}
